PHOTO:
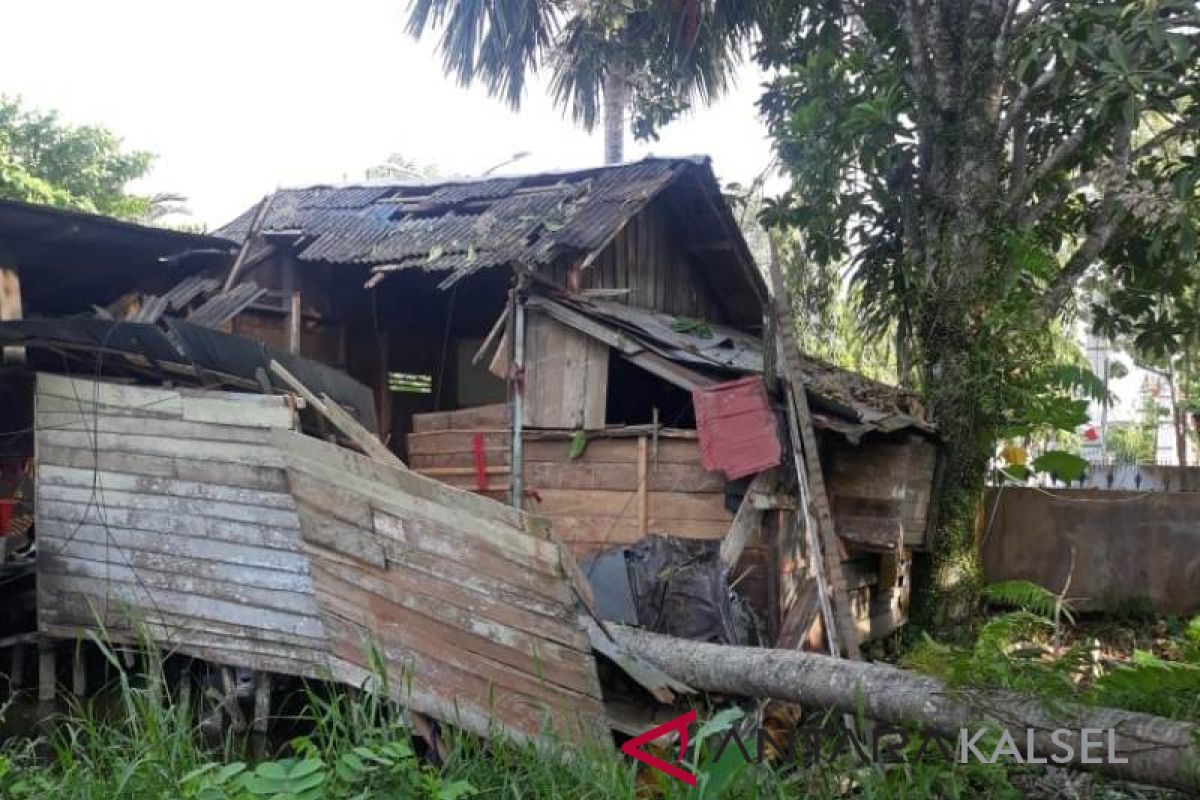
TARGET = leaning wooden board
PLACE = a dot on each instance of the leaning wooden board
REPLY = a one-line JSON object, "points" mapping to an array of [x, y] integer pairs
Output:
{"points": [[170, 509], [200, 516], [472, 612]]}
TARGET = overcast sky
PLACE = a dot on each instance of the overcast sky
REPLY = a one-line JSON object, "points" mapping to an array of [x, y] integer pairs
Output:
{"points": [[238, 98]]}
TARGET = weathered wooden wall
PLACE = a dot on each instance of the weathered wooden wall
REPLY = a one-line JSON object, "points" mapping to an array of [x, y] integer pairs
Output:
{"points": [[619, 489], [202, 517], [471, 611], [566, 376], [651, 259], [170, 508], [880, 488]]}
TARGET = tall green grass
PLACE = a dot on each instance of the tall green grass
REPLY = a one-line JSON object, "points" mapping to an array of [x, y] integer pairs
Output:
{"points": [[356, 745]]}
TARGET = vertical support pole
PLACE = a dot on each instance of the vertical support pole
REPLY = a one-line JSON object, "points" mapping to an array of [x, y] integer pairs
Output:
{"points": [[517, 384], [185, 683], [237, 722], [262, 701], [47, 672], [10, 301], [79, 670], [291, 295], [643, 496]]}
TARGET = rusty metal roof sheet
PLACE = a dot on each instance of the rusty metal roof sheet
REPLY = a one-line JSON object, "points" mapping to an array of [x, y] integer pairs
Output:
{"points": [[737, 428]]}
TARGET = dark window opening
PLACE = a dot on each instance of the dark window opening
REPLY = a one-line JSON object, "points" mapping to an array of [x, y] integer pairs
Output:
{"points": [[633, 394]]}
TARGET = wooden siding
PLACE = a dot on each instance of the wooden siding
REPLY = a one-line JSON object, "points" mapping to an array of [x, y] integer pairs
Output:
{"points": [[604, 498], [170, 509], [649, 258], [566, 376], [472, 614], [880, 490]]}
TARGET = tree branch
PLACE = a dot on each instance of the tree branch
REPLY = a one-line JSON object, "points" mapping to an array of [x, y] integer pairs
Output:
{"points": [[1022, 100], [1104, 223], [1057, 157]]}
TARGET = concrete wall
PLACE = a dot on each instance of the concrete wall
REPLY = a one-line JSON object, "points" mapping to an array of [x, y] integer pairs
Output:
{"points": [[1127, 544], [1143, 477]]}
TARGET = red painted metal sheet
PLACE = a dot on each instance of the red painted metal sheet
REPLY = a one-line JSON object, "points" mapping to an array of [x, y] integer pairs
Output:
{"points": [[738, 431]]}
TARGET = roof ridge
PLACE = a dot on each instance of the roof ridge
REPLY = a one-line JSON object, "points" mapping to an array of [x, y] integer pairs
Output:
{"points": [[466, 180]]}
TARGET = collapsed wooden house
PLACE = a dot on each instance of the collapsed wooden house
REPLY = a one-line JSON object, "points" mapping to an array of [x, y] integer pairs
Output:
{"points": [[589, 348]]}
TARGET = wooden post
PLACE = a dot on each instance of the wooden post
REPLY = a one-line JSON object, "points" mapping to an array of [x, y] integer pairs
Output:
{"points": [[79, 670], [517, 387], [237, 722], [291, 294], [47, 672], [185, 683], [643, 496], [10, 301], [262, 701]]}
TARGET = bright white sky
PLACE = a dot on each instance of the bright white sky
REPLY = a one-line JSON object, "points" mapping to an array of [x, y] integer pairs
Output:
{"points": [[238, 98]]}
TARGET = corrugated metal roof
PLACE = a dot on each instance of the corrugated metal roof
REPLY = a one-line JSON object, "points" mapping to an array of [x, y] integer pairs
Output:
{"points": [[463, 225]]}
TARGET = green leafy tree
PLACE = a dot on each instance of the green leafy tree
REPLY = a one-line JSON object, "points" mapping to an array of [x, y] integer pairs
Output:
{"points": [[44, 160], [974, 161], [605, 57]]}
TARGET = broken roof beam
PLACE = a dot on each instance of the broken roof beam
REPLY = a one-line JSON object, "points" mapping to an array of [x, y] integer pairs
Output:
{"points": [[345, 424]]}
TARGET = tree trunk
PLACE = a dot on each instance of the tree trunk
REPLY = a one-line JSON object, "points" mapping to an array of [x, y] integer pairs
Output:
{"points": [[616, 99], [1159, 751]]}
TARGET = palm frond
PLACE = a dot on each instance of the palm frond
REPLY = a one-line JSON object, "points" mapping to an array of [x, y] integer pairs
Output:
{"points": [[498, 42]]}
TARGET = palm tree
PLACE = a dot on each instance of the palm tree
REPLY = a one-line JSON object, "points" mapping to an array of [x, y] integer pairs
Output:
{"points": [[607, 57]]}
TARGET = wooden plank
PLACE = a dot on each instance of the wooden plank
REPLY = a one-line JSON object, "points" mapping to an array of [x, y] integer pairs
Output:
{"points": [[236, 586], [746, 522], [166, 428], [642, 491], [441, 551], [416, 494], [566, 377], [74, 608], [168, 559], [411, 604], [688, 478], [114, 394], [340, 537], [102, 500], [166, 600], [50, 474], [609, 531], [476, 418], [831, 581], [235, 452], [136, 464], [441, 606], [276, 413], [661, 505], [158, 532]]}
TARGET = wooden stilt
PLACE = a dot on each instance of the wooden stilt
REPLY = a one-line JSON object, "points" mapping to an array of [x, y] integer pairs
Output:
{"points": [[262, 701], [79, 670], [47, 672], [237, 721], [185, 683]]}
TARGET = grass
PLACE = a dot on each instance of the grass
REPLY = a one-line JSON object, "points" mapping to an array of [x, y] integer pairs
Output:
{"points": [[355, 745]]}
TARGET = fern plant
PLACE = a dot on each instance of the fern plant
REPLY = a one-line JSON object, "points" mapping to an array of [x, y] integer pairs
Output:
{"points": [[1024, 595]]}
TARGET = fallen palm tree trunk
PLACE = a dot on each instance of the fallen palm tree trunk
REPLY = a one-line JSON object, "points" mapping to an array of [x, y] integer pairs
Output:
{"points": [[1147, 749]]}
